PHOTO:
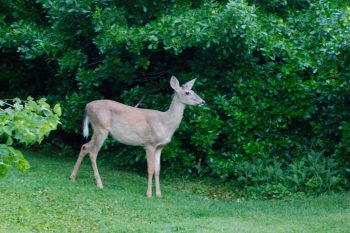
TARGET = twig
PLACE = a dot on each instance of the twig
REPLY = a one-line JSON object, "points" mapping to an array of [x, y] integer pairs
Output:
{"points": [[140, 101], [146, 77], [9, 105]]}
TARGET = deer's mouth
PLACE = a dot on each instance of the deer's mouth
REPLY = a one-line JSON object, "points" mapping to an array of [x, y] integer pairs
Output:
{"points": [[202, 103]]}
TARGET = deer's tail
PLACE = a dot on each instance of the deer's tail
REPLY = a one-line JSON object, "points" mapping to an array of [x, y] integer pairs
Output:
{"points": [[86, 127]]}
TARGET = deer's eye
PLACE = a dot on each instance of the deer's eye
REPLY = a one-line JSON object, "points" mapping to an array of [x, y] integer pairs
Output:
{"points": [[187, 93]]}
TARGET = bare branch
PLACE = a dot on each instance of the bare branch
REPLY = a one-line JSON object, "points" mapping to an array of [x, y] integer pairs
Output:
{"points": [[140, 101]]}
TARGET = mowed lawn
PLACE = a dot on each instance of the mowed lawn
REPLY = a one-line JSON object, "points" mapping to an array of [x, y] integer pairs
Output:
{"points": [[44, 200]]}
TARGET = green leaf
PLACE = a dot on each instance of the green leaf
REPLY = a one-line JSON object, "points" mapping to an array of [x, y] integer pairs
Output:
{"points": [[4, 151], [22, 165], [9, 141], [57, 109]]}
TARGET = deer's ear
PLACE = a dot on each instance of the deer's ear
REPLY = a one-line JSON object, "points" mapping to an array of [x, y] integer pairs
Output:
{"points": [[189, 84], [174, 83]]}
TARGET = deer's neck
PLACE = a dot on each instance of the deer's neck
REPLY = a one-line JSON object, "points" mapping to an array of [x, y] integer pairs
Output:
{"points": [[174, 114]]}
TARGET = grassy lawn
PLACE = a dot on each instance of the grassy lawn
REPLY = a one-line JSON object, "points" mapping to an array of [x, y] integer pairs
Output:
{"points": [[44, 200]]}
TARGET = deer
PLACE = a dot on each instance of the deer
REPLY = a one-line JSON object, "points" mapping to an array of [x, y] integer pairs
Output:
{"points": [[134, 126]]}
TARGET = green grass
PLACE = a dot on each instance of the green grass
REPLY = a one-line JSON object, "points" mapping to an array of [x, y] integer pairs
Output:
{"points": [[44, 200]]}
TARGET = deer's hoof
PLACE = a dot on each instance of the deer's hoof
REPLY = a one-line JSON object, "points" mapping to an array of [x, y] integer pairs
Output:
{"points": [[149, 194], [159, 195], [72, 178], [99, 186]]}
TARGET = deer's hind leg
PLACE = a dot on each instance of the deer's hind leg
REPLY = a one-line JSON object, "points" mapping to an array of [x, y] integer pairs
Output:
{"points": [[83, 151], [92, 147], [99, 137]]}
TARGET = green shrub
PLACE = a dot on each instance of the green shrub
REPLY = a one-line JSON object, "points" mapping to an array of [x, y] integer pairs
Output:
{"points": [[275, 76], [313, 173], [27, 122], [316, 173]]}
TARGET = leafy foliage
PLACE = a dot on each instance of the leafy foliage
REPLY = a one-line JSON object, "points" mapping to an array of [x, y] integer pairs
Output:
{"points": [[26, 122], [275, 76]]}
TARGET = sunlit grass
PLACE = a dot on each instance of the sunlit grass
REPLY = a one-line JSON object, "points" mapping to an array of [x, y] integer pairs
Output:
{"points": [[44, 200]]}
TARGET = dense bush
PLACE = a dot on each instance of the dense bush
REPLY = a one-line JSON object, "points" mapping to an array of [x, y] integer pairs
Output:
{"points": [[275, 76]]}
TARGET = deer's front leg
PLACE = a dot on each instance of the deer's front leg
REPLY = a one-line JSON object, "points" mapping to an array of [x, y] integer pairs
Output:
{"points": [[150, 151], [157, 170]]}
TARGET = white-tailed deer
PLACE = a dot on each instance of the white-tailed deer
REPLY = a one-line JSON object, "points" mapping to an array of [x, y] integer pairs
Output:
{"points": [[134, 126]]}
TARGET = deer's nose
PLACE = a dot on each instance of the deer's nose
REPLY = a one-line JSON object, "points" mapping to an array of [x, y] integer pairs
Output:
{"points": [[202, 103]]}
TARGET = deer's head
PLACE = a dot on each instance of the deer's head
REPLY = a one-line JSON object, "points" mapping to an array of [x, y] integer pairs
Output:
{"points": [[184, 92]]}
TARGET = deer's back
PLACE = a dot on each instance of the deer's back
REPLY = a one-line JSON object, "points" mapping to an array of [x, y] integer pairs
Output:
{"points": [[129, 125]]}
